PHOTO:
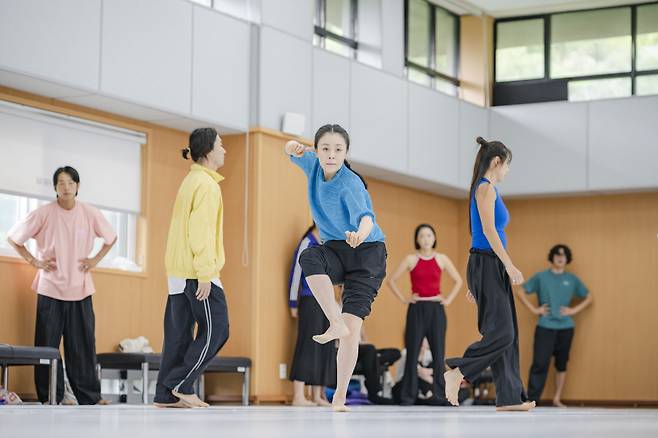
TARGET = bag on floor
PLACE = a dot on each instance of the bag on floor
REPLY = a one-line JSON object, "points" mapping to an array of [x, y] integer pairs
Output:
{"points": [[137, 345]]}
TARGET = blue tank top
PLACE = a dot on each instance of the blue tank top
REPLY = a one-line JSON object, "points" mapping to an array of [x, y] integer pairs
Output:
{"points": [[501, 218]]}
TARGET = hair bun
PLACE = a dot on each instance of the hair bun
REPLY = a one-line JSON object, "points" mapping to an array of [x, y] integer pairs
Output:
{"points": [[186, 153], [481, 141]]}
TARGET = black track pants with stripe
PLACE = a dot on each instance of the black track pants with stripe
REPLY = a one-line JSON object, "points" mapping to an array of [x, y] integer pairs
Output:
{"points": [[184, 357]]}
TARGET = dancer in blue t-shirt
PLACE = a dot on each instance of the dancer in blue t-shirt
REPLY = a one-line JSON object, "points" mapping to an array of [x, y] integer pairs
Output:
{"points": [[352, 252]]}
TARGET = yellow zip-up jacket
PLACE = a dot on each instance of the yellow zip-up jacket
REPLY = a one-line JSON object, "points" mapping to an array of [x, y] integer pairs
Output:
{"points": [[195, 245]]}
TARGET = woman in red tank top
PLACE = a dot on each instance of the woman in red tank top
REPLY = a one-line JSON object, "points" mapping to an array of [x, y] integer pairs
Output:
{"points": [[426, 317]]}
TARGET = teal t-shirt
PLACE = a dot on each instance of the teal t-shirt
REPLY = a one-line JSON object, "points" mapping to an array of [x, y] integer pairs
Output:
{"points": [[556, 290]]}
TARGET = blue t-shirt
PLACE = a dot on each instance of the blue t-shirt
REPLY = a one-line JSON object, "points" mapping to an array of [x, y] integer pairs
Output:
{"points": [[337, 205], [556, 290], [501, 219]]}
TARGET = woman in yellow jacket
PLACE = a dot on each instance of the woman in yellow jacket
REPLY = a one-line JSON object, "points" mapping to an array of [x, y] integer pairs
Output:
{"points": [[194, 258]]}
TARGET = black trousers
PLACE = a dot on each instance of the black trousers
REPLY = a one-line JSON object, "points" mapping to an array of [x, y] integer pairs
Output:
{"points": [[75, 321], [184, 357], [424, 319], [313, 363], [499, 347], [361, 270], [548, 343], [371, 363]]}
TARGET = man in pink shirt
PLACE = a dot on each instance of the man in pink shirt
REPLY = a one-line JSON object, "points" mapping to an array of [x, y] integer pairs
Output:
{"points": [[65, 231]]}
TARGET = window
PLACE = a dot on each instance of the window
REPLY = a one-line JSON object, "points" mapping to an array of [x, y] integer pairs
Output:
{"points": [[520, 50], [13, 208], [646, 84], [647, 37], [335, 26], [418, 32], [432, 46], [582, 55], [590, 89], [591, 42], [45, 138]]}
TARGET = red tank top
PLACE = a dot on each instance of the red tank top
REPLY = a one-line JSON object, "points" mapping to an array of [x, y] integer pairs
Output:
{"points": [[426, 278]]}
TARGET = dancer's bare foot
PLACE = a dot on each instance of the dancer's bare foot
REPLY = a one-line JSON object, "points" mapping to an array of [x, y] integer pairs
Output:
{"points": [[453, 380], [178, 404], [336, 330], [558, 404], [303, 403], [321, 402], [338, 405], [191, 399], [523, 407], [103, 402]]}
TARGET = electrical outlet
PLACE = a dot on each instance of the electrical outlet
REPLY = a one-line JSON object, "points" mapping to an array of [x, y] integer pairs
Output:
{"points": [[283, 371]]}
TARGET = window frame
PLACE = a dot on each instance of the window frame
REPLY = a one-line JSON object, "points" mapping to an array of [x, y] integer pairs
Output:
{"points": [[632, 74], [431, 71], [320, 29]]}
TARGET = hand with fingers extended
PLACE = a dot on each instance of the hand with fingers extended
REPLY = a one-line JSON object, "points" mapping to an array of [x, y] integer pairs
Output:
{"points": [[567, 311], [203, 291], [354, 238], [542, 310], [47, 265], [470, 297], [87, 264], [515, 276]]}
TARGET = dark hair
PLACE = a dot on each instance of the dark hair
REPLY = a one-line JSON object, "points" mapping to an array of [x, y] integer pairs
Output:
{"points": [[487, 152], [202, 142], [338, 130], [557, 250], [70, 171], [420, 227]]}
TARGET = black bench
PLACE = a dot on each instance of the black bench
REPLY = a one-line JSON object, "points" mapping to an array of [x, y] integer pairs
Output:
{"points": [[11, 355], [147, 362]]}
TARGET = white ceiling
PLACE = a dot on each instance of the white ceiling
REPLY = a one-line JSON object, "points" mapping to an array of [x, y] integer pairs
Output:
{"points": [[504, 8]]}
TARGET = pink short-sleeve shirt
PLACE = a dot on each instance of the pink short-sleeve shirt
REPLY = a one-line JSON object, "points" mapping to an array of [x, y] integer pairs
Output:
{"points": [[67, 236]]}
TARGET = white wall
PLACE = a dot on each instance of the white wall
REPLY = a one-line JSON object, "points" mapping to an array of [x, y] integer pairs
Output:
{"points": [[370, 31], [135, 59], [56, 40], [433, 135], [393, 36], [378, 119], [147, 52], [331, 89], [549, 146], [473, 123], [181, 65], [623, 143], [294, 17], [220, 68], [285, 78]]}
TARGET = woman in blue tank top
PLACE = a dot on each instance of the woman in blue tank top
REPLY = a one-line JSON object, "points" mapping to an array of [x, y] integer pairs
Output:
{"points": [[490, 275]]}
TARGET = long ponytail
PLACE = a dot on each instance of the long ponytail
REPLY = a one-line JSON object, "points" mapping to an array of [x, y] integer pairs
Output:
{"points": [[341, 131], [487, 152]]}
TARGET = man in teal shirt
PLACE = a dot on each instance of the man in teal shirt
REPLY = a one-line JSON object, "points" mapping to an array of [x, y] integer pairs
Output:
{"points": [[555, 289]]}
